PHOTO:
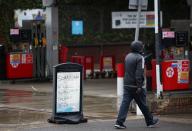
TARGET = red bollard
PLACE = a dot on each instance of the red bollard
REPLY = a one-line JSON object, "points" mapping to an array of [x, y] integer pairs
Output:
{"points": [[120, 77]]}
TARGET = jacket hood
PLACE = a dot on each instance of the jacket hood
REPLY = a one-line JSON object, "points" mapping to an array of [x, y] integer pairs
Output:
{"points": [[137, 46]]}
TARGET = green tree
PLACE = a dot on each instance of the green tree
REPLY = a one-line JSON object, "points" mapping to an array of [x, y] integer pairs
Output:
{"points": [[7, 8]]}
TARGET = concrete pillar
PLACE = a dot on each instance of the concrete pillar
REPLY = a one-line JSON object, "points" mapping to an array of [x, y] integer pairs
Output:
{"points": [[52, 38]]}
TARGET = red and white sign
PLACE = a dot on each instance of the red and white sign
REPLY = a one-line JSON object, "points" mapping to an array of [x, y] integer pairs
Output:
{"points": [[185, 65], [14, 31], [183, 71], [29, 58], [170, 72], [168, 34]]}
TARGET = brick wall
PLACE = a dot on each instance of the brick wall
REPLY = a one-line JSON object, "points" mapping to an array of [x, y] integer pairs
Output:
{"points": [[173, 105]]}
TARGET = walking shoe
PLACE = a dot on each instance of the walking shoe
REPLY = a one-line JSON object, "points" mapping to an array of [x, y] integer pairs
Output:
{"points": [[119, 126], [154, 122]]}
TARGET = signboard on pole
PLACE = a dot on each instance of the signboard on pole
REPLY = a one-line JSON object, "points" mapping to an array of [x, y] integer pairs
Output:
{"points": [[47, 2], [67, 103], [168, 34], [129, 19], [133, 4]]}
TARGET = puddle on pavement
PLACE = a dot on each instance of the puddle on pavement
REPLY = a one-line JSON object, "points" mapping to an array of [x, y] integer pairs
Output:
{"points": [[25, 107]]}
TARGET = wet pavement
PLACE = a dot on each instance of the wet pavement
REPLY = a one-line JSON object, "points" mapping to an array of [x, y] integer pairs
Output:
{"points": [[26, 105], [132, 125], [25, 99], [12, 116], [20, 107]]}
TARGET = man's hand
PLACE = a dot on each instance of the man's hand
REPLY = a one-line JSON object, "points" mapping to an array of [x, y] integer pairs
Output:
{"points": [[138, 91]]}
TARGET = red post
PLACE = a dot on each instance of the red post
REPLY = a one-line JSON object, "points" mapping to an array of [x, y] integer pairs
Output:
{"points": [[120, 83]]}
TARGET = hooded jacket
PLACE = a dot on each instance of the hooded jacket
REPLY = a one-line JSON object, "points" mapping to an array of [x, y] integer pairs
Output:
{"points": [[134, 66]]}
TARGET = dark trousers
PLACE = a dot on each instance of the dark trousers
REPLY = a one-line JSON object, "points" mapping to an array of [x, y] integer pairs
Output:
{"points": [[140, 99]]}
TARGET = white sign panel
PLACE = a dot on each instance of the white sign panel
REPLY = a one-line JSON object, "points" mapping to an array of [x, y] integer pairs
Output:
{"points": [[68, 92], [129, 20], [14, 31], [168, 34], [133, 4]]}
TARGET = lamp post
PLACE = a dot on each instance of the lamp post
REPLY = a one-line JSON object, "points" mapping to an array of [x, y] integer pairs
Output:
{"points": [[157, 43], [138, 21], [189, 2]]}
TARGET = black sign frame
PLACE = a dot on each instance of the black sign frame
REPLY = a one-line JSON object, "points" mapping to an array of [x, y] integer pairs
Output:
{"points": [[68, 68], [67, 117]]}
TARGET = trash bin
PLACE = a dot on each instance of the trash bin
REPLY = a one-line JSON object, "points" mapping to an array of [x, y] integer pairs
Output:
{"points": [[2, 63]]}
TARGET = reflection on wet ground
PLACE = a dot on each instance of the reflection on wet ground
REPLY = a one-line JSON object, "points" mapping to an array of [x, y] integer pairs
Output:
{"points": [[100, 107], [25, 99], [18, 107]]}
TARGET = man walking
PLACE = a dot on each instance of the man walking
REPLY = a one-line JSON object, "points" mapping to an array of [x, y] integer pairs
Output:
{"points": [[133, 86]]}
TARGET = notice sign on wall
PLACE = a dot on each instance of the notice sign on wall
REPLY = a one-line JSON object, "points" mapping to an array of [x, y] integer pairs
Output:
{"points": [[68, 92], [129, 19], [107, 63]]}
